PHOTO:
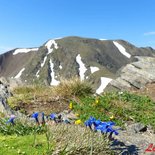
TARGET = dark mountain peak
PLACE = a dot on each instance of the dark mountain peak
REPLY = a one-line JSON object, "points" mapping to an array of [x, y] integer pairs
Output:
{"points": [[93, 60]]}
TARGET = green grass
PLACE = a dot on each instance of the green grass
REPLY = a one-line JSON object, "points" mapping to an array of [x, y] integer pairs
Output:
{"points": [[73, 139], [13, 145], [59, 139], [20, 128], [124, 107]]}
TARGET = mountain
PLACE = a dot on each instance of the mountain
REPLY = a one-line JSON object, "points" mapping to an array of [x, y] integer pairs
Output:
{"points": [[93, 60]]}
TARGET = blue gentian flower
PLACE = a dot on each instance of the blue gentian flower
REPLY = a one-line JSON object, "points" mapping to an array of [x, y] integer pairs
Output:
{"points": [[52, 116], [110, 123], [11, 119], [39, 117], [104, 127], [90, 122], [107, 128], [97, 123], [35, 115], [115, 132]]}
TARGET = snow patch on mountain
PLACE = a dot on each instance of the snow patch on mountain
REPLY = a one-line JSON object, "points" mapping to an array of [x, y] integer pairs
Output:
{"points": [[49, 44], [60, 66], [19, 74], [104, 83], [37, 74], [54, 82], [82, 68], [93, 69], [43, 63], [24, 50], [58, 38], [122, 49]]}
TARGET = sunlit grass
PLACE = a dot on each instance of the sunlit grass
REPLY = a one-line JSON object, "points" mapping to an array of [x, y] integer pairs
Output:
{"points": [[119, 107], [123, 107], [72, 87], [67, 89], [58, 139], [13, 145]]}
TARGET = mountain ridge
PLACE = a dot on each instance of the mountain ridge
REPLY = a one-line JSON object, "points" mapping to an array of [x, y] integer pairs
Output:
{"points": [[68, 57]]}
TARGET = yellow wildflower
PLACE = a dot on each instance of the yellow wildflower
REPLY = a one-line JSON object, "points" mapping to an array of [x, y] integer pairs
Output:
{"points": [[112, 117], [78, 121], [97, 101], [77, 115], [71, 105]]}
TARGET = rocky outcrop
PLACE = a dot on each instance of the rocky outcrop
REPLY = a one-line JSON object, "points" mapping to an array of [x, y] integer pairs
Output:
{"points": [[136, 75], [4, 94], [134, 140], [4, 107]]}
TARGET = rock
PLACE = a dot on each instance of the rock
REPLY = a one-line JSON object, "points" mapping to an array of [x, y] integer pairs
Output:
{"points": [[68, 116], [131, 142], [4, 107], [135, 75], [71, 116], [140, 128], [3, 81], [13, 83], [4, 94], [137, 127]]}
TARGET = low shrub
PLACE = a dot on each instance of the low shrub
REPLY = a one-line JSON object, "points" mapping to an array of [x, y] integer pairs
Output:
{"points": [[77, 140]]}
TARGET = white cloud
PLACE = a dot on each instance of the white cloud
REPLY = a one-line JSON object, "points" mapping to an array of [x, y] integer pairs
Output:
{"points": [[102, 39], [149, 33]]}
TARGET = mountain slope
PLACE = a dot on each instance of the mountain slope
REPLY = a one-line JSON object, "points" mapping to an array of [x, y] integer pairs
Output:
{"points": [[97, 61]]}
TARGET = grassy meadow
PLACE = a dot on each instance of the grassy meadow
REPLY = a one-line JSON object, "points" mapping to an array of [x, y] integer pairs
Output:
{"points": [[62, 139]]}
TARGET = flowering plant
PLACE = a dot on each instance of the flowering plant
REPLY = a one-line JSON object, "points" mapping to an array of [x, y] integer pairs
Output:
{"points": [[11, 119], [98, 125]]}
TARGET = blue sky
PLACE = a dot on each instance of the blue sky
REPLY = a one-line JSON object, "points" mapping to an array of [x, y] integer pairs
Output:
{"points": [[30, 23]]}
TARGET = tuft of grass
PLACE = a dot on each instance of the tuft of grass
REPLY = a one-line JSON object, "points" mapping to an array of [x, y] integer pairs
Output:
{"points": [[76, 140], [73, 87]]}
